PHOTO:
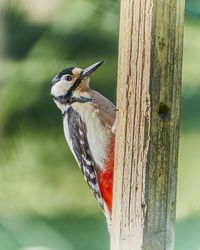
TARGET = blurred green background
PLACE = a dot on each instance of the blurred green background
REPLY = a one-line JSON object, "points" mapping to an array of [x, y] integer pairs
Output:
{"points": [[44, 201]]}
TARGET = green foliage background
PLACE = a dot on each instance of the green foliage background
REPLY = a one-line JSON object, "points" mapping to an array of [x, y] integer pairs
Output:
{"points": [[44, 201]]}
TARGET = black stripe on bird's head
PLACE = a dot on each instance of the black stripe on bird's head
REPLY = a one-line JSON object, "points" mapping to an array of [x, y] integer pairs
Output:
{"points": [[67, 71]]}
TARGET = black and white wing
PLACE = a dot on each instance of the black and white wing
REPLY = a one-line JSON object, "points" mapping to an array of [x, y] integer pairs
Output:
{"points": [[76, 135]]}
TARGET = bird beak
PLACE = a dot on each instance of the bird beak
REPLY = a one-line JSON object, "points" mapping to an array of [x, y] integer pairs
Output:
{"points": [[90, 69]]}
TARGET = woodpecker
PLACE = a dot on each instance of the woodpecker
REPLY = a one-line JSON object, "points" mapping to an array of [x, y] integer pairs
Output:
{"points": [[89, 129]]}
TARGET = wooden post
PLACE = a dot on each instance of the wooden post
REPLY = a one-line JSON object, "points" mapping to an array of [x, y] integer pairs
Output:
{"points": [[147, 131]]}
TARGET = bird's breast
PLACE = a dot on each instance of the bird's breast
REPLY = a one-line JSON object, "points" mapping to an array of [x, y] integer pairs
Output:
{"points": [[97, 135]]}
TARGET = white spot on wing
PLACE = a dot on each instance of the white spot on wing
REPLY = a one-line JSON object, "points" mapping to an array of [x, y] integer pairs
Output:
{"points": [[86, 160], [91, 174], [81, 142], [95, 187]]}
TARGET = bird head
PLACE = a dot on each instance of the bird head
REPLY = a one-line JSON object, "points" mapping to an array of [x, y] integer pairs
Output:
{"points": [[68, 85]]}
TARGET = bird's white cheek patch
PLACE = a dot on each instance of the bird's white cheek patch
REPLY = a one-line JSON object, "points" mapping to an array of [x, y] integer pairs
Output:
{"points": [[60, 88]]}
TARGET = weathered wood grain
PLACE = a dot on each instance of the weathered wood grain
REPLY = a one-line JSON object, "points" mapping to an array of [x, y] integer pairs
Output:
{"points": [[147, 130]]}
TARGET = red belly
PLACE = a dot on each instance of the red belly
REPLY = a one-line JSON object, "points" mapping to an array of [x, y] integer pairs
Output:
{"points": [[105, 177]]}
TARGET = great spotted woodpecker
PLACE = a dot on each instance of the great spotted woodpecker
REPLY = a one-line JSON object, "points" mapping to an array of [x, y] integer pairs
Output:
{"points": [[89, 128]]}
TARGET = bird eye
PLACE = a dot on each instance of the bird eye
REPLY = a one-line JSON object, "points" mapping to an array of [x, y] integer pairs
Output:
{"points": [[68, 78]]}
